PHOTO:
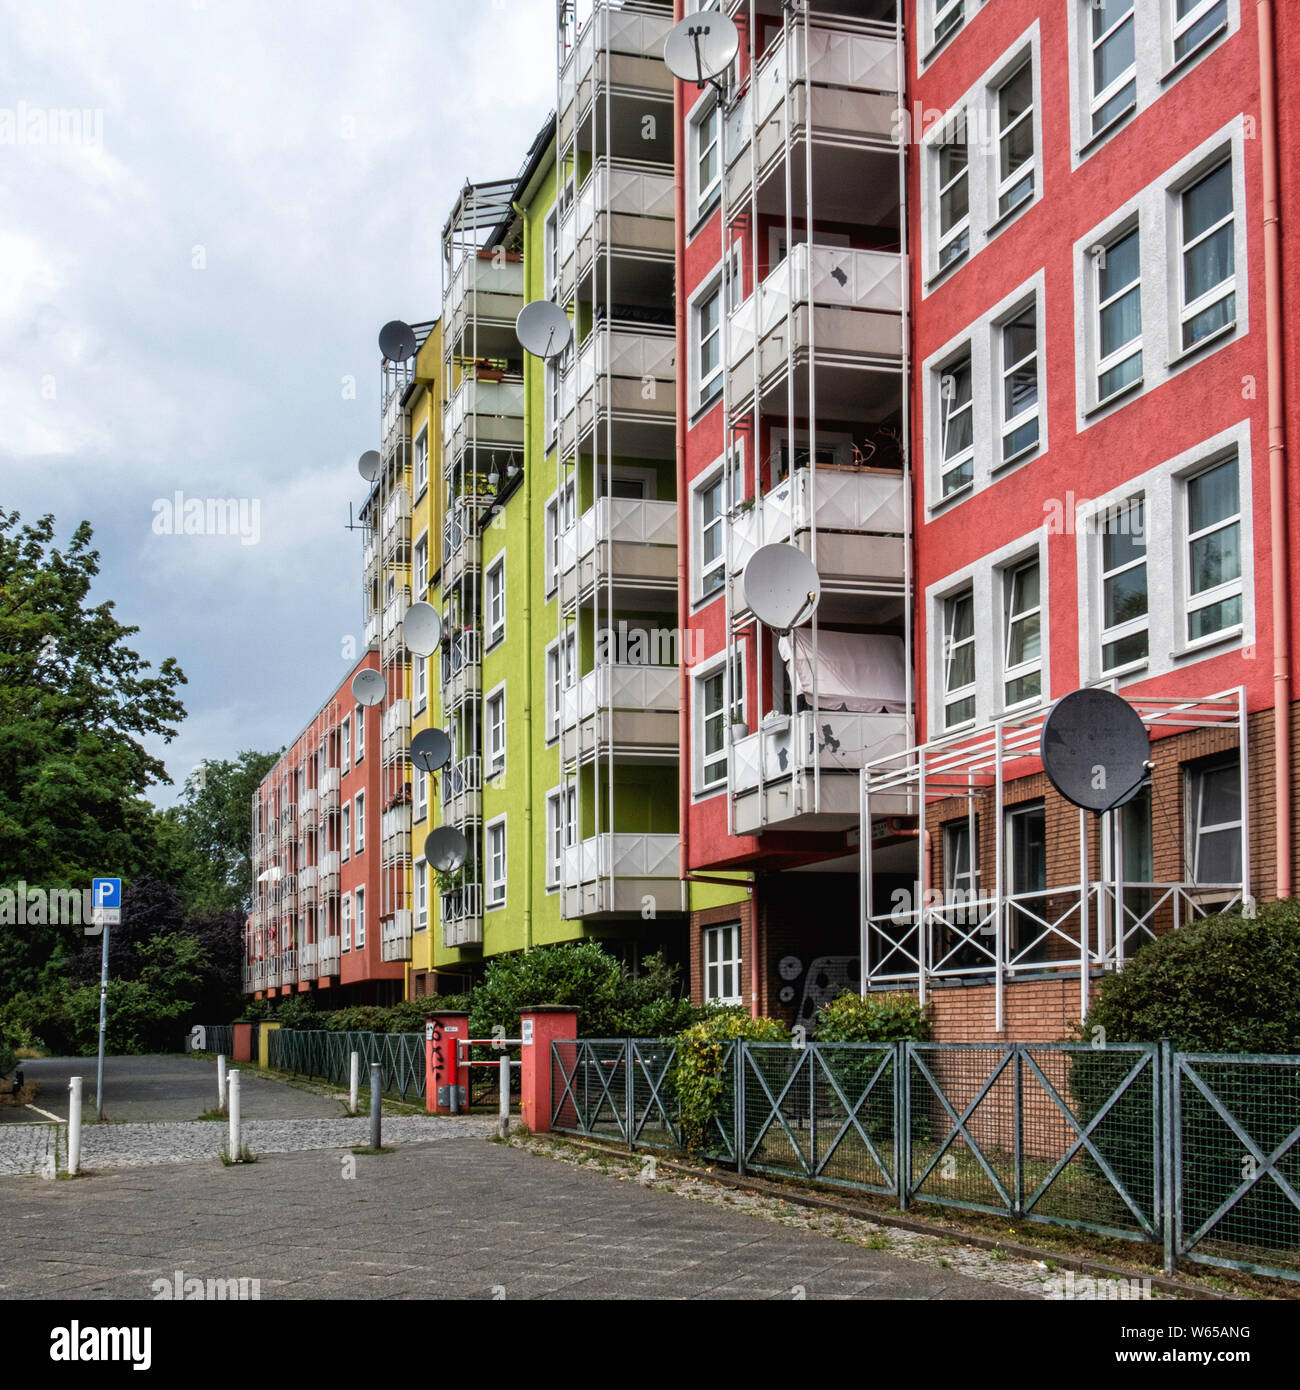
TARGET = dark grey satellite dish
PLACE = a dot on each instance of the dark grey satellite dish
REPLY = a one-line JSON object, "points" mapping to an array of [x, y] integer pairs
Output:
{"points": [[397, 341], [422, 628], [369, 687], [1095, 749], [430, 749], [701, 47], [781, 585], [446, 848], [543, 329], [368, 465]]}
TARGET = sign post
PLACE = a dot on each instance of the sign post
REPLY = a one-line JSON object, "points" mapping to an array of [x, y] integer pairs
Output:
{"points": [[107, 899]]}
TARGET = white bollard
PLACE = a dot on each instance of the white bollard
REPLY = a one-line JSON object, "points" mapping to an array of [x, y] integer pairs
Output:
{"points": [[221, 1080], [232, 1144], [354, 1084], [74, 1126], [503, 1113]]}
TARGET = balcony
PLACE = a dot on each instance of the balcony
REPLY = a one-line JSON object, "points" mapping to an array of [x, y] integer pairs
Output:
{"points": [[461, 791], [856, 326], [462, 675], [289, 824], [329, 792], [484, 413], [289, 896], [396, 533], [616, 873], [309, 809], [850, 73], [624, 371], [370, 557], [395, 836], [618, 55], [632, 540], [486, 293], [307, 967], [783, 754], [289, 967], [395, 731], [309, 885], [626, 210], [633, 707], [328, 954], [372, 631], [329, 874], [392, 646], [462, 916], [395, 936], [460, 545], [858, 516]]}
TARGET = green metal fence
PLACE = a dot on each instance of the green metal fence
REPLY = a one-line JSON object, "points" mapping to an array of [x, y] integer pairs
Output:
{"points": [[317, 1053], [1198, 1153]]}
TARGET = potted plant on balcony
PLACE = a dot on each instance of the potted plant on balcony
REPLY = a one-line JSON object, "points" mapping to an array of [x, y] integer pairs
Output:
{"points": [[401, 797], [485, 370], [449, 880]]}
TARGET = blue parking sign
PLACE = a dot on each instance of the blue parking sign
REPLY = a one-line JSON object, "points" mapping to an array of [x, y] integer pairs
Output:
{"points": [[106, 892]]}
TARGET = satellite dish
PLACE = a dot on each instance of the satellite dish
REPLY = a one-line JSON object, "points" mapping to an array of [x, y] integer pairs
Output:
{"points": [[1095, 749], [368, 465], [369, 687], [397, 341], [701, 47], [446, 848], [543, 329], [782, 586], [430, 750], [422, 628]]}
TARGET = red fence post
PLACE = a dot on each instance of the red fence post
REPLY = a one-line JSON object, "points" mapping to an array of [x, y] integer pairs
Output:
{"points": [[442, 1068], [539, 1027]]}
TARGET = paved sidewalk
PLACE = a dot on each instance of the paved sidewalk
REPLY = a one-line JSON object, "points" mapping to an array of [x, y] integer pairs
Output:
{"points": [[461, 1218]]}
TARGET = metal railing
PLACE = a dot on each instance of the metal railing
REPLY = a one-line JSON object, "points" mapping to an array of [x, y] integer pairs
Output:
{"points": [[318, 1053], [1196, 1153]]}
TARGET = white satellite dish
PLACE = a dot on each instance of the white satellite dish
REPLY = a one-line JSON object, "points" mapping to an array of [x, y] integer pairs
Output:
{"points": [[422, 629], [543, 329], [430, 750], [701, 47], [368, 465], [369, 687], [782, 586], [446, 848]]}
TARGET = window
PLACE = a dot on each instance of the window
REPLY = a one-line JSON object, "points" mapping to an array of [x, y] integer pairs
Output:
{"points": [[361, 822], [347, 921], [496, 731], [496, 847], [1119, 315], [954, 195], [1195, 23], [420, 670], [421, 566], [708, 347], [359, 724], [710, 514], [706, 131], [1016, 140], [1113, 69], [722, 964], [1125, 639], [551, 241], [1208, 303], [947, 16], [560, 676], [345, 831], [1022, 672], [421, 794], [718, 707], [561, 830], [1213, 552], [1020, 384], [956, 426], [560, 516], [345, 743], [422, 460], [960, 875], [1026, 849], [361, 918], [496, 600], [421, 895], [959, 659], [1214, 820]]}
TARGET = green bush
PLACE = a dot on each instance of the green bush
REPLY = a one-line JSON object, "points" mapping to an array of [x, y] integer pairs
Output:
{"points": [[145, 1014], [42, 1015], [892, 1017], [297, 1011], [701, 1077], [7, 1059]]}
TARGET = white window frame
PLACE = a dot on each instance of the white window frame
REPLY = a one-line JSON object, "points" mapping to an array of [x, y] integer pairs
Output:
{"points": [[1012, 424], [560, 515], [494, 723], [707, 293], [1229, 589], [958, 235], [947, 17], [551, 251], [945, 393], [420, 568], [420, 682], [713, 477], [1194, 777], [1121, 515], [721, 949], [359, 734], [1097, 100], [345, 919], [953, 694], [494, 601], [345, 746], [1201, 9], [494, 891], [1132, 347], [345, 832], [1032, 666], [1007, 183], [359, 822], [421, 457], [561, 675], [359, 919], [1225, 287], [707, 112], [732, 701], [421, 871], [421, 809]]}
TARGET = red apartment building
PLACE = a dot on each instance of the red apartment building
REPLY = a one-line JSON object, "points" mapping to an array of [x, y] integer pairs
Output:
{"points": [[317, 878], [981, 306]]}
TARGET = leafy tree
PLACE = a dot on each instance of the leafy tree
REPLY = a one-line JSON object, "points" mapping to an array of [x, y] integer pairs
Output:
{"points": [[149, 1013], [215, 817]]}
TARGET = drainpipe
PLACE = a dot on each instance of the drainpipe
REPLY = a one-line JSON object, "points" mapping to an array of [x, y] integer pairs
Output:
{"points": [[1276, 447], [528, 644]]}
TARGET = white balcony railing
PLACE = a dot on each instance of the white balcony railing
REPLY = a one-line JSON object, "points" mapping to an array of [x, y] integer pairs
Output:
{"points": [[463, 778], [328, 955], [638, 206], [620, 687], [462, 915], [620, 520], [397, 518], [330, 863], [620, 856], [395, 730], [633, 35], [307, 960], [490, 411], [372, 630], [329, 791], [309, 885], [498, 280], [395, 835], [833, 57], [837, 741], [309, 809], [627, 368], [395, 936]]}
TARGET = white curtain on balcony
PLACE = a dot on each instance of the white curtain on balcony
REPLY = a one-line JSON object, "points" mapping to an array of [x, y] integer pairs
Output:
{"points": [[855, 671]]}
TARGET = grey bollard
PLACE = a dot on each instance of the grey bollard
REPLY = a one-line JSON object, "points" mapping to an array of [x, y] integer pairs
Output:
{"points": [[376, 1104]]}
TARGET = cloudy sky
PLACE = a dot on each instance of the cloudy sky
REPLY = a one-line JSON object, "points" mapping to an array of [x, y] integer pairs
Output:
{"points": [[187, 287]]}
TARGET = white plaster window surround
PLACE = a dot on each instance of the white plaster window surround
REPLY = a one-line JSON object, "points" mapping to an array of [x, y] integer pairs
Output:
{"points": [[716, 701], [988, 582], [1172, 591], [980, 428], [940, 22], [1000, 120], [1125, 54], [1159, 214]]}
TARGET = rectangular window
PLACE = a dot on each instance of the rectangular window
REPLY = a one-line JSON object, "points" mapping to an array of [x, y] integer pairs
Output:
{"points": [[420, 670], [560, 676], [495, 583], [959, 659], [421, 895], [421, 461], [421, 794], [1016, 140], [1208, 301], [361, 918], [719, 707], [361, 822], [961, 884], [1125, 638], [1119, 315], [345, 744], [1020, 422], [708, 346], [561, 830], [1214, 821], [1025, 835], [496, 848], [347, 921], [496, 732], [345, 831], [1112, 62], [954, 195], [359, 724], [706, 134], [551, 245], [722, 977], [711, 513], [948, 16], [1195, 23], [957, 426], [421, 567], [1213, 551], [1023, 659]]}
